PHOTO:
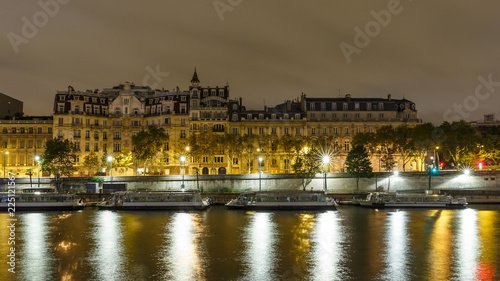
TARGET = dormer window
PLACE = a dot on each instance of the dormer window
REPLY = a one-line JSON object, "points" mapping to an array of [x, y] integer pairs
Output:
{"points": [[212, 93], [285, 116], [61, 97], [273, 116], [261, 116], [94, 100], [221, 93], [118, 110], [76, 98], [205, 93], [183, 98], [249, 116], [126, 101], [297, 116]]}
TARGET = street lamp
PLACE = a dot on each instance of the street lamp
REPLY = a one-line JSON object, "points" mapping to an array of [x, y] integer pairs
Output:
{"points": [[37, 159], [395, 173], [183, 159], [326, 160], [6, 153], [432, 171], [260, 174], [110, 160], [437, 155]]}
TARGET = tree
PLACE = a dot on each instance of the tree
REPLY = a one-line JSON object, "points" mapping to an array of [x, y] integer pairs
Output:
{"points": [[460, 139], [59, 158], [404, 144], [92, 163], [422, 134], [232, 145], [149, 144], [388, 161], [358, 164]]}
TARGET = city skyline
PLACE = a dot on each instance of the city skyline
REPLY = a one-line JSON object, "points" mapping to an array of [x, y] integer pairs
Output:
{"points": [[439, 52]]}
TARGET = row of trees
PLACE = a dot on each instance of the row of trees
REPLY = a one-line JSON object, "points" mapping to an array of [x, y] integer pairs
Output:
{"points": [[457, 142]]}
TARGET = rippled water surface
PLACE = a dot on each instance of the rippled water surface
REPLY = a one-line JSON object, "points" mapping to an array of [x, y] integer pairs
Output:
{"points": [[348, 244]]}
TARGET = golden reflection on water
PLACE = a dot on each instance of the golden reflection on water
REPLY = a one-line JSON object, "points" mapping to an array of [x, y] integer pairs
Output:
{"points": [[488, 222], [301, 244], [467, 245], [181, 258], [440, 243], [260, 255]]}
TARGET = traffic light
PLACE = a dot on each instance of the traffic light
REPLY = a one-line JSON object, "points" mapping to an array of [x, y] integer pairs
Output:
{"points": [[434, 170]]}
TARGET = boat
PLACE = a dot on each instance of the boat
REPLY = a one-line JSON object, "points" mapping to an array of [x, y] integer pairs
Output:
{"points": [[50, 201], [156, 200], [396, 200], [282, 200]]}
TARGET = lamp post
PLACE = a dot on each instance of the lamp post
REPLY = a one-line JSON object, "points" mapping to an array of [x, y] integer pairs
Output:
{"points": [[437, 159], [6, 153], [260, 174], [110, 160], [432, 171], [396, 173], [183, 160], [326, 160], [37, 159]]}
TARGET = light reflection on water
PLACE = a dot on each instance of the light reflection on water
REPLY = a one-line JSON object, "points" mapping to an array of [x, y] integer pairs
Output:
{"points": [[327, 254], [396, 241], [35, 252], [467, 245], [348, 244], [260, 256], [181, 255], [107, 256]]}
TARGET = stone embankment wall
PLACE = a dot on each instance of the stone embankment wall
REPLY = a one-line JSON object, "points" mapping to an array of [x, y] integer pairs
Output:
{"points": [[336, 182]]}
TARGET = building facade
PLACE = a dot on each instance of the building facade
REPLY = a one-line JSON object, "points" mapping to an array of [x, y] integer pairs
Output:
{"points": [[103, 122]]}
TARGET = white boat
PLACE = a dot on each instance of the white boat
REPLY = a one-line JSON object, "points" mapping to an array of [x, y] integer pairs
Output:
{"points": [[282, 200], [39, 202], [156, 200], [395, 200]]}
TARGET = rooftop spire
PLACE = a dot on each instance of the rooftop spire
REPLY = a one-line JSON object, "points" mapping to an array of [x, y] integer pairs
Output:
{"points": [[195, 81]]}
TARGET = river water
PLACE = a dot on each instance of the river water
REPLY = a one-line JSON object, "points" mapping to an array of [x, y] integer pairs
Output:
{"points": [[351, 243]]}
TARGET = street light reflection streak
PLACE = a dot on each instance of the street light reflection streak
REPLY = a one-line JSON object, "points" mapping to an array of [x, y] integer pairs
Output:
{"points": [[35, 254], [260, 255], [182, 255], [327, 255], [397, 257], [108, 236], [467, 246]]}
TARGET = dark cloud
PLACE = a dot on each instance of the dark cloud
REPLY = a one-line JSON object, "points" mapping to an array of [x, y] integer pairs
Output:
{"points": [[432, 52]]}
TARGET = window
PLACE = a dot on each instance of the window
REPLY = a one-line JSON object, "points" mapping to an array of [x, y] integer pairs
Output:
{"points": [[96, 147], [21, 131], [286, 131], [346, 145], [183, 134], [356, 115], [116, 147], [273, 131], [311, 106], [87, 146], [117, 110], [87, 134], [235, 161], [273, 162], [335, 131], [344, 106], [96, 122], [61, 120], [183, 121], [117, 135], [235, 131], [313, 131], [249, 131], [369, 115], [195, 127], [356, 106], [205, 159], [358, 130], [297, 131], [76, 134], [323, 115], [323, 106], [273, 116], [380, 106], [104, 147], [345, 115], [205, 93], [285, 116], [49, 130], [205, 127], [14, 130], [183, 98], [297, 116], [261, 131], [221, 93], [249, 116], [381, 115], [104, 135], [370, 130], [312, 115], [261, 116], [346, 130], [77, 145], [334, 115], [96, 135], [61, 108], [368, 106], [334, 106], [218, 159], [325, 131], [61, 97]]}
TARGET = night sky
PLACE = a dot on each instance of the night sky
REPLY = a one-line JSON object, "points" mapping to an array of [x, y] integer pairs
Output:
{"points": [[435, 53]]}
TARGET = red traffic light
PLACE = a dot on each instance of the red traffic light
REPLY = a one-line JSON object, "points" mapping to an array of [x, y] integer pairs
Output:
{"points": [[441, 164]]}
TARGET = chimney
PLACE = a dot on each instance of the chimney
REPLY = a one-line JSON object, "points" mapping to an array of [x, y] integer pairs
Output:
{"points": [[288, 105], [389, 96]]}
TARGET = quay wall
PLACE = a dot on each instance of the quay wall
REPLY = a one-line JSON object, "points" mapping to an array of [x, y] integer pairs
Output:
{"points": [[336, 182]]}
